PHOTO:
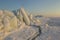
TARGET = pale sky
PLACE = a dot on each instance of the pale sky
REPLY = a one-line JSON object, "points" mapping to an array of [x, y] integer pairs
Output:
{"points": [[43, 7]]}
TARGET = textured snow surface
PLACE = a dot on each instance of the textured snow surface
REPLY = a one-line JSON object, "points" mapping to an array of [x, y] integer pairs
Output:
{"points": [[50, 33]]}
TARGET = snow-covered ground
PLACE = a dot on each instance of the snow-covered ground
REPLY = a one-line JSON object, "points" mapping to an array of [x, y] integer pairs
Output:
{"points": [[48, 33]]}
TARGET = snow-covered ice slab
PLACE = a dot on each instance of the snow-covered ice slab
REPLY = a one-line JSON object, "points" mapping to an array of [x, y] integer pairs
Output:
{"points": [[28, 32]]}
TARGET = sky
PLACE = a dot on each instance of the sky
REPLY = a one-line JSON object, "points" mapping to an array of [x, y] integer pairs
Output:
{"points": [[49, 8]]}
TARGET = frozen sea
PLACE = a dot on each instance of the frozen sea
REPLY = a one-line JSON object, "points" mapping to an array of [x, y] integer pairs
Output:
{"points": [[48, 32]]}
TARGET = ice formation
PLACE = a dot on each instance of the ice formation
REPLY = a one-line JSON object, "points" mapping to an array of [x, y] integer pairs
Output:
{"points": [[19, 24], [26, 27]]}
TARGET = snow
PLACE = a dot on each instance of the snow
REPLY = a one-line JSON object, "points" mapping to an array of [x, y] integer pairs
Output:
{"points": [[11, 28]]}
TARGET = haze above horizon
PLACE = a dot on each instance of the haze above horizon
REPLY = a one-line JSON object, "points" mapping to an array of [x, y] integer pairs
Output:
{"points": [[43, 7]]}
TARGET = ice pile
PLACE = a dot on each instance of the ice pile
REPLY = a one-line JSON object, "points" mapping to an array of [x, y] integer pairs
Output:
{"points": [[17, 27]]}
